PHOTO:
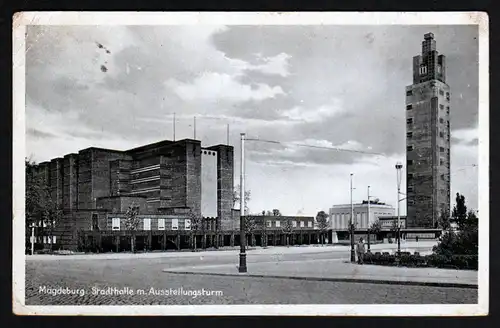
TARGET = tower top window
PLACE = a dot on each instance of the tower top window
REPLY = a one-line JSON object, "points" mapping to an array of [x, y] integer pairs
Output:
{"points": [[423, 70]]}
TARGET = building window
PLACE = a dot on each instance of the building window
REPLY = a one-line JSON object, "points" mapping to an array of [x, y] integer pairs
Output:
{"points": [[409, 162], [187, 224], [410, 188], [161, 224], [441, 120], [409, 120], [95, 222], [410, 176], [409, 134], [294, 224], [423, 70], [441, 92], [441, 149], [409, 92], [302, 224], [408, 107], [269, 224], [441, 134], [309, 224], [146, 224], [442, 177], [175, 224], [441, 161], [278, 223], [441, 106], [409, 148], [115, 224]]}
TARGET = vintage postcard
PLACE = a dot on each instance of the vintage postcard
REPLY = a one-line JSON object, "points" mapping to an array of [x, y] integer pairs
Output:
{"points": [[251, 163]]}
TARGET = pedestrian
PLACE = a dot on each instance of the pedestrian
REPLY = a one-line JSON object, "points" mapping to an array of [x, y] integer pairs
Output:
{"points": [[416, 238], [360, 249]]}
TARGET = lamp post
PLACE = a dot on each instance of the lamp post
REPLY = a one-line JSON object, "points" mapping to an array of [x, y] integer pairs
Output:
{"points": [[399, 166], [243, 257], [353, 253]]}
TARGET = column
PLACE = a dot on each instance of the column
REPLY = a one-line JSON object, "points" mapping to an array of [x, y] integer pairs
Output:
{"points": [[178, 241], [117, 243]]}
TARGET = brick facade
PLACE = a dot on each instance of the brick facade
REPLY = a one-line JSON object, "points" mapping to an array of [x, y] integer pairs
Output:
{"points": [[428, 138], [160, 178]]}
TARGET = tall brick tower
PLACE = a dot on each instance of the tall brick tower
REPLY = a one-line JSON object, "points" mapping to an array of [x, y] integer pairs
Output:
{"points": [[428, 138]]}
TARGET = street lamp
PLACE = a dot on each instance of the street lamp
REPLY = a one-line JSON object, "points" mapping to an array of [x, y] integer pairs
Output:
{"points": [[399, 166], [243, 256], [353, 253]]}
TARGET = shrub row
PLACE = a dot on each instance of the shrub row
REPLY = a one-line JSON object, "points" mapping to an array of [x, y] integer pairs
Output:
{"points": [[467, 262]]}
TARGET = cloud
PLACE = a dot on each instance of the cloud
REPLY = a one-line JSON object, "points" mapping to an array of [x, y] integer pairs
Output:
{"points": [[468, 136], [213, 87], [313, 115], [276, 65]]}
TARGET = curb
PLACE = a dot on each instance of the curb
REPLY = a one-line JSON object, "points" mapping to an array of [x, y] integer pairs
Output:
{"points": [[348, 280]]}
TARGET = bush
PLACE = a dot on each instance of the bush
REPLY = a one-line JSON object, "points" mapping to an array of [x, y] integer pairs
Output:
{"points": [[467, 262]]}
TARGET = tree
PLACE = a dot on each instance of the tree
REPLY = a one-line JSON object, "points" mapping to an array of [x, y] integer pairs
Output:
{"points": [[375, 229], [262, 226], [236, 198], [459, 214], [444, 220], [287, 229], [196, 225], [276, 212], [465, 241], [33, 208], [250, 227], [394, 228], [132, 222], [322, 224]]}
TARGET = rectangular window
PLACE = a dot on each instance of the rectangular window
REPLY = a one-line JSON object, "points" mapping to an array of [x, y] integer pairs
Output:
{"points": [[409, 120], [278, 223], [187, 224], [54, 239], [302, 224], [441, 149], [441, 134], [409, 148], [146, 224], [409, 134], [409, 92], [410, 188], [309, 224], [269, 224], [95, 222], [294, 224], [161, 224], [441, 120], [408, 107], [115, 224], [441, 162], [441, 92], [410, 176], [175, 224], [409, 162], [441, 106]]}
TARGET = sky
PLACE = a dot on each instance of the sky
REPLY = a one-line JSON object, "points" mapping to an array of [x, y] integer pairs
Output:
{"points": [[328, 86]]}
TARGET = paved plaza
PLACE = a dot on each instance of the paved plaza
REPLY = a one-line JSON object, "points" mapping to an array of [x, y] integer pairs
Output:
{"points": [[280, 275]]}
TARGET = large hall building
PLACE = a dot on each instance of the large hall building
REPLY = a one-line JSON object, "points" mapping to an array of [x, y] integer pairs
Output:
{"points": [[170, 181]]}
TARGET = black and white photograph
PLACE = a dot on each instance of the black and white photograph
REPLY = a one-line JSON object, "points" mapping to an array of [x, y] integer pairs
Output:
{"points": [[251, 163]]}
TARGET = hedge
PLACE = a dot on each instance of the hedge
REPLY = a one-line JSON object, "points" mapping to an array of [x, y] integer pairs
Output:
{"points": [[463, 262]]}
